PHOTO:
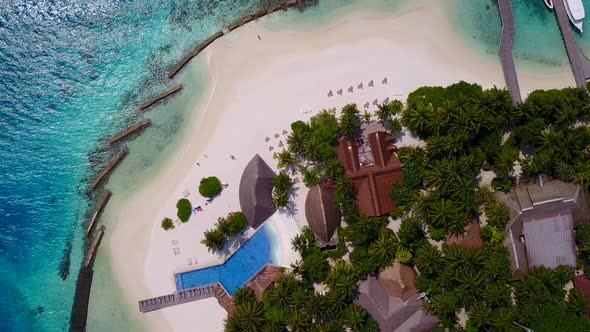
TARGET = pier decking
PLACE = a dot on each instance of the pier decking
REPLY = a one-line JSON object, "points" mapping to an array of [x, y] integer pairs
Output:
{"points": [[578, 61], [506, 58], [187, 295]]}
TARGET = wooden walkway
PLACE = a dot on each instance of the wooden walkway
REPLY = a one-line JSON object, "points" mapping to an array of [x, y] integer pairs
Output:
{"points": [[187, 295], [506, 58], [579, 62]]}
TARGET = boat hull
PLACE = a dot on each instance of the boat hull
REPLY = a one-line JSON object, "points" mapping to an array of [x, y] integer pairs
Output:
{"points": [[578, 14]]}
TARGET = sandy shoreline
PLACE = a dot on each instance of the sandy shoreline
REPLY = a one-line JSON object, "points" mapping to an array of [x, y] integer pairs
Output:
{"points": [[257, 88]]}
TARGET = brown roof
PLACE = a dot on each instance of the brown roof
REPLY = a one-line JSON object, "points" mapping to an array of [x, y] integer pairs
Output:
{"points": [[264, 280], [582, 284], [398, 280], [321, 214], [470, 239], [256, 191], [542, 201], [373, 167], [392, 313]]}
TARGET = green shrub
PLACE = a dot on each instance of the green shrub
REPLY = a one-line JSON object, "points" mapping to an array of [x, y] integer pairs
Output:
{"points": [[403, 255], [236, 222], [564, 172], [498, 214], [565, 273], [209, 187], [167, 224], [184, 209], [400, 194], [436, 234], [502, 184], [411, 175]]}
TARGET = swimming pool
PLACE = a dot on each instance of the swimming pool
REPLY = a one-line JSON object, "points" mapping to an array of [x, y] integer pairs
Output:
{"points": [[238, 269]]}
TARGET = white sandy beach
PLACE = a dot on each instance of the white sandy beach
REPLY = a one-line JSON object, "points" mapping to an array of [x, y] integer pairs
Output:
{"points": [[258, 87]]}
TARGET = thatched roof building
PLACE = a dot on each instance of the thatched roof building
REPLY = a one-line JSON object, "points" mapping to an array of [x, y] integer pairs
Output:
{"points": [[541, 229], [373, 166], [322, 215], [382, 298], [256, 191]]}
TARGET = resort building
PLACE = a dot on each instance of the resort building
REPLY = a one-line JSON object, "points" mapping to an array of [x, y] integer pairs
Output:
{"points": [[322, 215], [256, 191], [541, 228], [393, 300], [373, 166], [470, 239]]}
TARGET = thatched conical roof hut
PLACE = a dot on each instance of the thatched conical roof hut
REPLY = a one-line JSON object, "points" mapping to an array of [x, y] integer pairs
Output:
{"points": [[322, 215], [256, 191]]}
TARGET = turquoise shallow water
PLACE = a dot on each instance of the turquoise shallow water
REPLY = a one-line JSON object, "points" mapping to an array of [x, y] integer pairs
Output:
{"points": [[72, 73]]}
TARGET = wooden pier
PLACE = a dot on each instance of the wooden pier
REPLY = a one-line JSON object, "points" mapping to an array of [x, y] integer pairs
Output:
{"points": [[232, 26], [506, 58], [130, 130], [578, 61], [184, 296], [102, 202], [109, 168], [160, 97]]}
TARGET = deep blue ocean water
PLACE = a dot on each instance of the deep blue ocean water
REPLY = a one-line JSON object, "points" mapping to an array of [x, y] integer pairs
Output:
{"points": [[237, 270], [72, 73]]}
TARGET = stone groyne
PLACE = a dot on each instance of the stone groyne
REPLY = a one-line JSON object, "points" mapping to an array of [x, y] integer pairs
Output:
{"points": [[230, 27], [130, 130], [109, 168], [102, 202], [92, 250], [150, 102]]}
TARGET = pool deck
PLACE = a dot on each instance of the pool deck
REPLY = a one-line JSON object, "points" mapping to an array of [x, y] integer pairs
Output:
{"points": [[185, 296]]}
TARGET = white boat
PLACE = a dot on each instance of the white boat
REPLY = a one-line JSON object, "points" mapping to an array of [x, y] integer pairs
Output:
{"points": [[575, 11], [549, 3]]}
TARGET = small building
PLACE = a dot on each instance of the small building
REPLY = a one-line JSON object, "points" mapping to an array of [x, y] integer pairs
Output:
{"points": [[393, 300], [541, 228], [470, 239], [582, 284], [323, 217], [373, 166], [256, 192]]}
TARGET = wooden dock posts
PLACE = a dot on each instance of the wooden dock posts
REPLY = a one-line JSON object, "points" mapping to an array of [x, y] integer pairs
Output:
{"points": [[102, 202], [150, 102], [109, 168], [130, 130], [506, 58]]}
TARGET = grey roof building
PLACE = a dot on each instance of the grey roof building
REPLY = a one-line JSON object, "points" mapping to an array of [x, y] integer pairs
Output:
{"points": [[322, 215], [256, 191], [541, 228], [384, 303]]}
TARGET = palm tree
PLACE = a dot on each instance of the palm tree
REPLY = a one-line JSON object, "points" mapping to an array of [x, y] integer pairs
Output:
{"points": [[250, 316], [214, 239], [367, 116], [272, 326], [312, 148], [333, 169], [504, 162], [384, 247], [282, 181], [243, 295], [350, 121], [286, 159], [354, 317], [442, 213], [281, 293], [315, 306], [548, 140], [337, 302], [383, 113], [232, 324], [501, 319], [394, 126], [298, 321], [417, 119], [296, 140], [428, 260], [299, 297], [479, 315]]}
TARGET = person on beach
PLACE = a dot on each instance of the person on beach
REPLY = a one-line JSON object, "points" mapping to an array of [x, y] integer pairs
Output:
{"points": [[259, 37]]}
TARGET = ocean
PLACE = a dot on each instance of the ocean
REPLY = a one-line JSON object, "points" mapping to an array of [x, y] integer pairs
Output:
{"points": [[73, 72]]}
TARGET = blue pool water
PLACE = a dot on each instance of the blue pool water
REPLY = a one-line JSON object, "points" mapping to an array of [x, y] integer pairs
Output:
{"points": [[237, 270]]}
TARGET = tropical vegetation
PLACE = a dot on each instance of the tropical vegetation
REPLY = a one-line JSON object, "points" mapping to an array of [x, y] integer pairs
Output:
{"points": [[167, 224], [209, 187], [225, 228], [183, 209]]}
